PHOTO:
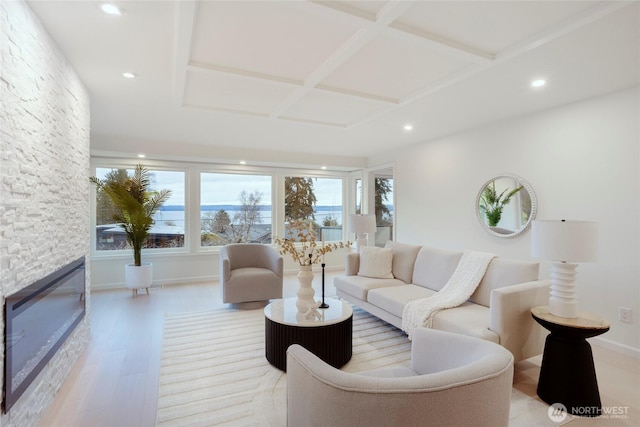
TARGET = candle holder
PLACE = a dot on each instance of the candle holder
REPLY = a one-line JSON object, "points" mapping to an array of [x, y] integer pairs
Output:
{"points": [[324, 304]]}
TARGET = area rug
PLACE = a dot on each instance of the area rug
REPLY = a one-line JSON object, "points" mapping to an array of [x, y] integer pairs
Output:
{"points": [[214, 372]]}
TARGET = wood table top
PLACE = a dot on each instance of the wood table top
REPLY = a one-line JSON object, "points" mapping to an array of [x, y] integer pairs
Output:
{"points": [[583, 321]]}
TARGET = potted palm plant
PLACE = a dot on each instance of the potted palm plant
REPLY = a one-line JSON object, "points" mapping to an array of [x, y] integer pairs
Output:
{"points": [[135, 204]]}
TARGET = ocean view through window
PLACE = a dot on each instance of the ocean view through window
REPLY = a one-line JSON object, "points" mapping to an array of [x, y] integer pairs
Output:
{"points": [[213, 205], [235, 208]]}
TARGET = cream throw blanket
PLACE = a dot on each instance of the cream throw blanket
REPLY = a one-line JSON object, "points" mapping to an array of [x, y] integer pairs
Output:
{"points": [[461, 285]]}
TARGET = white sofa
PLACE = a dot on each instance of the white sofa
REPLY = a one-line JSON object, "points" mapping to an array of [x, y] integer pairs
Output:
{"points": [[498, 311]]}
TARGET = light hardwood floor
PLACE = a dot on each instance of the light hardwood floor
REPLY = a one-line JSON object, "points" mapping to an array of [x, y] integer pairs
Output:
{"points": [[115, 382]]}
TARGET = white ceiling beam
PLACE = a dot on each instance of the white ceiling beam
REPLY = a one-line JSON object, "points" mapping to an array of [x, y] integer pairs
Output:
{"points": [[246, 74], [340, 11], [565, 27], [224, 110], [387, 17], [547, 36], [439, 44], [283, 81], [186, 12], [391, 11], [312, 122], [352, 46], [355, 94]]}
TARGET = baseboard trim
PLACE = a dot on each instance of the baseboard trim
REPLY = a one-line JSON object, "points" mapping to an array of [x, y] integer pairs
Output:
{"points": [[624, 349], [157, 283], [200, 279]]}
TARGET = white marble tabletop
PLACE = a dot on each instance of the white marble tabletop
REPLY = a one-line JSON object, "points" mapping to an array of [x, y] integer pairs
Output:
{"points": [[284, 311]]}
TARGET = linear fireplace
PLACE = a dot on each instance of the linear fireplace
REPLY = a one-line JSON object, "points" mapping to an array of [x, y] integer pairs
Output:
{"points": [[38, 319]]}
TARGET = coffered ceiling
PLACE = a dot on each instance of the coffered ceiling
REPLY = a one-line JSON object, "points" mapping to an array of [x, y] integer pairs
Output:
{"points": [[333, 77]]}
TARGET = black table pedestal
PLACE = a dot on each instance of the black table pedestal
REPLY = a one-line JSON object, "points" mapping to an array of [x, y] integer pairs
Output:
{"points": [[567, 373], [568, 376]]}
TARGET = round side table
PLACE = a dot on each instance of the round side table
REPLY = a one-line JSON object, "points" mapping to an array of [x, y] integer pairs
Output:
{"points": [[329, 337], [567, 374]]}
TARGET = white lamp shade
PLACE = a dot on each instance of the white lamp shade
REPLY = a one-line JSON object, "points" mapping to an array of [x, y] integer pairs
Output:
{"points": [[562, 240], [362, 223]]}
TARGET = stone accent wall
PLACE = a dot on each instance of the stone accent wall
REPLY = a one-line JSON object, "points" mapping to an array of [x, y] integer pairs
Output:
{"points": [[44, 170]]}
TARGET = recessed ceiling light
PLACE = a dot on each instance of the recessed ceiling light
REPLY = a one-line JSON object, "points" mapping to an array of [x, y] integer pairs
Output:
{"points": [[243, 162], [142, 156], [129, 75], [408, 127], [324, 168], [538, 83], [110, 9]]}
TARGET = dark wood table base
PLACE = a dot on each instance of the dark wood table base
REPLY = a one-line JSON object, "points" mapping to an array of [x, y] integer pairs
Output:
{"points": [[567, 373], [331, 343]]}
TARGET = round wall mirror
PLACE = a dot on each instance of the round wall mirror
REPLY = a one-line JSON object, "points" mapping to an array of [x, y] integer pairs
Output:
{"points": [[506, 205]]}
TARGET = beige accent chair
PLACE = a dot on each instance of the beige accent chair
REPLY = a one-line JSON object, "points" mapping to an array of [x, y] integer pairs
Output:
{"points": [[250, 273], [454, 380]]}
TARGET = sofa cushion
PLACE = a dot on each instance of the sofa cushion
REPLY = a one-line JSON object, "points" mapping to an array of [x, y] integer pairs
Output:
{"points": [[504, 272], [359, 286], [394, 299], [375, 262], [404, 256], [434, 267], [466, 319]]}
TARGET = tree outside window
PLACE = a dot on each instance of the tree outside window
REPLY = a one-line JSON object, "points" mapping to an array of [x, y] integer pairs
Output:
{"points": [[383, 193], [299, 199], [316, 201], [383, 200], [168, 228]]}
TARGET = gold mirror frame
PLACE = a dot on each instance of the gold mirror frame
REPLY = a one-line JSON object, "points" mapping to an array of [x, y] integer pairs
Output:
{"points": [[520, 210]]}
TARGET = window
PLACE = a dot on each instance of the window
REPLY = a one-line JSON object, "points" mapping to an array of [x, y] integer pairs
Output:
{"points": [[358, 193], [235, 208], [384, 209], [317, 201], [169, 226], [213, 205]]}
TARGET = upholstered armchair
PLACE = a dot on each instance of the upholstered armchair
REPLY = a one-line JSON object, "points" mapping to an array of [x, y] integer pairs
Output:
{"points": [[454, 380], [250, 272]]}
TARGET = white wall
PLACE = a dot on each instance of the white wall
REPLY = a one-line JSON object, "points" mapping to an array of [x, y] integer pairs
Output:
{"points": [[179, 268], [583, 162], [44, 169]]}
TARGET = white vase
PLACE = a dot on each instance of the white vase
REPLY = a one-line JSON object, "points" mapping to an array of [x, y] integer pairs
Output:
{"points": [[138, 277], [305, 292]]}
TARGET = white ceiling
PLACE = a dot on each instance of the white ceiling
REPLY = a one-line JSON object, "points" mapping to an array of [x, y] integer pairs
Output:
{"points": [[337, 78]]}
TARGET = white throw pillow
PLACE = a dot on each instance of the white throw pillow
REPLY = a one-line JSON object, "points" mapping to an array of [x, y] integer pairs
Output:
{"points": [[376, 262]]}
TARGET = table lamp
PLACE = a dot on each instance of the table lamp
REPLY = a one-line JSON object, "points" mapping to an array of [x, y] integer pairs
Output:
{"points": [[362, 225], [564, 243]]}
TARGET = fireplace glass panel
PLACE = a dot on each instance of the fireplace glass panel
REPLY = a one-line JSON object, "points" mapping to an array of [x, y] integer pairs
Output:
{"points": [[38, 319]]}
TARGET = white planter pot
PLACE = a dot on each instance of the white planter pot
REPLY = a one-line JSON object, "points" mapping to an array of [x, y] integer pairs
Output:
{"points": [[138, 277]]}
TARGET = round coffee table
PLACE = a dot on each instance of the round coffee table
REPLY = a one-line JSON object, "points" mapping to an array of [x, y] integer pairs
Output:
{"points": [[328, 337]]}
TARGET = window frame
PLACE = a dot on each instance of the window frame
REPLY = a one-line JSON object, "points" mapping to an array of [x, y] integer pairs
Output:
{"points": [[193, 171], [152, 166]]}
